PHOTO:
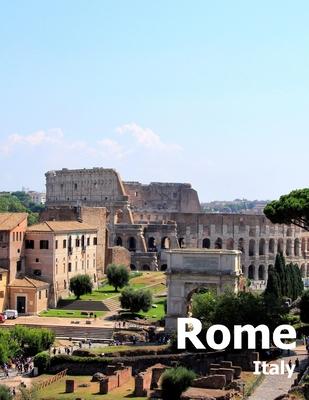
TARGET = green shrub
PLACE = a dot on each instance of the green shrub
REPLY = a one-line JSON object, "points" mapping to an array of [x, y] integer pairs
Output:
{"points": [[5, 393], [42, 362], [117, 276], [175, 381], [136, 300]]}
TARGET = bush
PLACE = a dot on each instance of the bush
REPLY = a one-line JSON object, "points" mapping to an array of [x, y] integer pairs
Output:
{"points": [[42, 362], [81, 284], [175, 381], [5, 393], [136, 300], [117, 276]]}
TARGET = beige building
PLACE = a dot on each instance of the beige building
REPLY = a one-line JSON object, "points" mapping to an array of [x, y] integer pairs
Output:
{"points": [[58, 250], [3, 288]]}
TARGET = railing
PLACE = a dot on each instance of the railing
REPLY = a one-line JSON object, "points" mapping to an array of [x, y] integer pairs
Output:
{"points": [[51, 380]]}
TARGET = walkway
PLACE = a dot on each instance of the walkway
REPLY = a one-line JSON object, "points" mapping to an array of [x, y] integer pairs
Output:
{"points": [[275, 385]]}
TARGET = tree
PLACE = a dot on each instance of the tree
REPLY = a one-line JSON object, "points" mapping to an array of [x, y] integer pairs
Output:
{"points": [[273, 285], [175, 381], [81, 284], [117, 276], [42, 361], [136, 300], [203, 306], [304, 307], [5, 393], [292, 208]]}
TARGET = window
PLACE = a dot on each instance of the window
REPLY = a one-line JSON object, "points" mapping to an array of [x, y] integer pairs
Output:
{"points": [[13, 236], [37, 260], [46, 293], [77, 242], [18, 266], [1, 294], [95, 241], [88, 241], [69, 267], [37, 272], [20, 236], [64, 244], [1, 237], [29, 244], [0, 277], [40, 295], [65, 284], [44, 244], [75, 186], [56, 244]]}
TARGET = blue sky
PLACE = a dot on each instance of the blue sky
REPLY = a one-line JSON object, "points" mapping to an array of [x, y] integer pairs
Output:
{"points": [[212, 93]]}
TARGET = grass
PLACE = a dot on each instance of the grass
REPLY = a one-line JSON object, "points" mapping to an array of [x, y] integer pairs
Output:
{"points": [[60, 313], [152, 314], [57, 390]]}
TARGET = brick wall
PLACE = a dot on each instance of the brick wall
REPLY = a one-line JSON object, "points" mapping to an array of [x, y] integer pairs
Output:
{"points": [[118, 255]]}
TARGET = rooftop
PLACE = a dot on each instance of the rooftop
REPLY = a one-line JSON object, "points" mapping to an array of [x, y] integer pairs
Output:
{"points": [[28, 283], [61, 226], [9, 221]]}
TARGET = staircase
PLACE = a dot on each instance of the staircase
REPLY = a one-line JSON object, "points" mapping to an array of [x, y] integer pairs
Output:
{"points": [[112, 304]]}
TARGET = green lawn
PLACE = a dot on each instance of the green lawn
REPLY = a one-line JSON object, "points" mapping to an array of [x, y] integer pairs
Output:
{"points": [[57, 390], [68, 313], [152, 314]]}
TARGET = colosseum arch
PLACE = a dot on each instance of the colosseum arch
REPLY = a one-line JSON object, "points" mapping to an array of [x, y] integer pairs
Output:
{"points": [[132, 244], [261, 273], [271, 246], [230, 244], [280, 245], [251, 272], [206, 243], [163, 267], [152, 244], [165, 242], [145, 267], [251, 247], [262, 247], [118, 241], [289, 231], [288, 250], [241, 245], [296, 247], [218, 243], [303, 245]]}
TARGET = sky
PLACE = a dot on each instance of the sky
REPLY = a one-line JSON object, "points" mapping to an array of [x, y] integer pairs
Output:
{"points": [[214, 93]]}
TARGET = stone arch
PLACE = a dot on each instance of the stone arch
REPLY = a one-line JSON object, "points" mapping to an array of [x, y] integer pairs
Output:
{"points": [[271, 246], [199, 289], [181, 242], [218, 243], [288, 249], [296, 247], [145, 267], [262, 247], [261, 273], [280, 246], [230, 244], [289, 231], [163, 267], [206, 243], [251, 247], [132, 267], [241, 245], [251, 272], [152, 244], [303, 245], [132, 244], [118, 241], [165, 242]]}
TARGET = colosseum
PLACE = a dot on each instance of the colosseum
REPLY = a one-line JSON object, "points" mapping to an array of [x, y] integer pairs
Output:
{"points": [[150, 219]]}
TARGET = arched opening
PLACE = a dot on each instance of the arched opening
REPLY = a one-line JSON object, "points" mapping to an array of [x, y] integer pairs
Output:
{"points": [[131, 244], [206, 243], [191, 295], [218, 243], [70, 243], [262, 247], [296, 247], [241, 245], [132, 267], [181, 242], [251, 247], [280, 246], [261, 273], [303, 271], [251, 271], [230, 244], [303, 245], [163, 267], [165, 243], [152, 244], [289, 232], [288, 249], [146, 267], [118, 241], [271, 246]]}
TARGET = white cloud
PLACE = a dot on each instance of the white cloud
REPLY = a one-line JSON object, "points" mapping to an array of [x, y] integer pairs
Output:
{"points": [[146, 137], [112, 147]]}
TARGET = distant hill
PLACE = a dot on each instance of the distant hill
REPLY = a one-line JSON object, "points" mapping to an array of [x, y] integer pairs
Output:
{"points": [[237, 206], [20, 202]]}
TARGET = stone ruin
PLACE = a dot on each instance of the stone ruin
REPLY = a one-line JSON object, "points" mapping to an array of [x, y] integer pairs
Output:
{"points": [[115, 376], [148, 380]]}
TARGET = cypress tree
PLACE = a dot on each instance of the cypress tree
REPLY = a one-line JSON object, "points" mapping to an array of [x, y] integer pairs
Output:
{"points": [[273, 284]]}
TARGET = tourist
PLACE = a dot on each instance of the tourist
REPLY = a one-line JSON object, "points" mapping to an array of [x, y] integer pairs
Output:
{"points": [[297, 363]]}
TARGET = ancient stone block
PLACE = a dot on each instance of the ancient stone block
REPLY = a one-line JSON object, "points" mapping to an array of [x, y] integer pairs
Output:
{"points": [[210, 382], [69, 386]]}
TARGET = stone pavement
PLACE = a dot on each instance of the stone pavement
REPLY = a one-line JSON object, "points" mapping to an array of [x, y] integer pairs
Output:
{"points": [[275, 385]]}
